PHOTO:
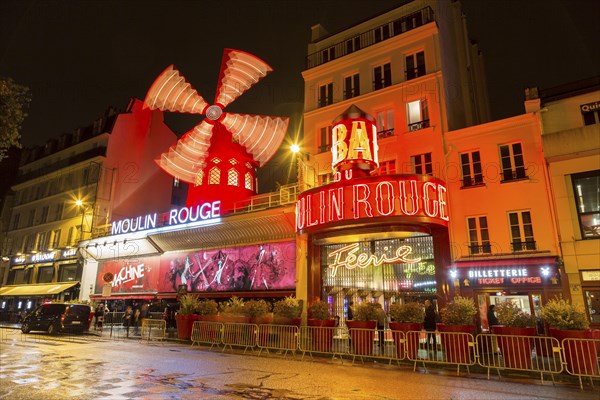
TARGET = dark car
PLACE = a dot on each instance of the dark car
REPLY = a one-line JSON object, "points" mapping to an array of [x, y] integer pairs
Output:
{"points": [[58, 317]]}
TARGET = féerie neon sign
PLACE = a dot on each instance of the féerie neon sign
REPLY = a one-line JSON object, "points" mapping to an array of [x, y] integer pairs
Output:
{"points": [[363, 260]]}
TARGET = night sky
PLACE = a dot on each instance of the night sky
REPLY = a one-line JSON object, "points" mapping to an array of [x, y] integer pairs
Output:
{"points": [[79, 57]]}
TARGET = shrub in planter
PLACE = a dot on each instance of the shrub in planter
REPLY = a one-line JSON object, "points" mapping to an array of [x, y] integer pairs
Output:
{"points": [[233, 310], [258, 311], [207, 310], [406, 317], [322, 326], [457, 319], [569, 321], [514, 325], [287, 311], [188, 304]]}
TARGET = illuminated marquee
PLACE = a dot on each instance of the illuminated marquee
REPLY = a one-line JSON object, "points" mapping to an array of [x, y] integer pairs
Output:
{"points": [[373, 197], [177, 216], [364, 260], [354, 142]]}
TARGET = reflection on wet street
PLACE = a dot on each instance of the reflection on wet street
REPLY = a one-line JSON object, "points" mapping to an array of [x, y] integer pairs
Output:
{"points": [[41, 367]]}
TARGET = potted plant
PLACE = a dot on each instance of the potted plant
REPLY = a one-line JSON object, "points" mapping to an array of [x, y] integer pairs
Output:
{"points": [[406, 317], [514, 325], [207, 310], [322, 326], [287, 311], [233, 311], [188, 304], [258, 311], [362, 327], [457, 319], [568, 320]]}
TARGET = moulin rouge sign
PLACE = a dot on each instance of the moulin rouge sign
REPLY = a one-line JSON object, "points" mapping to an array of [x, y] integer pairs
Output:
{"points": [[355, 195]]}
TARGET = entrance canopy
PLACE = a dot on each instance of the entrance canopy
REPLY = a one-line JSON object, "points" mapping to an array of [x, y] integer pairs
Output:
{"points": [[36, 290]]}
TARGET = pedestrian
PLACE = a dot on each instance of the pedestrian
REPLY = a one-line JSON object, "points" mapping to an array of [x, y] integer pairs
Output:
{"points": [[491, 316], [99, 315], [381, 328], [127, 318], [430, 325], [137, 320], [350, 312]]}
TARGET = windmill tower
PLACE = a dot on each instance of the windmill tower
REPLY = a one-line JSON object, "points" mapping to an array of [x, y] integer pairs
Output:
{"points": [[219, 157]]}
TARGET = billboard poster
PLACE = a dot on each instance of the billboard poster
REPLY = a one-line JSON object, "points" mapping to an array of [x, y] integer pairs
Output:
{"points": [[269, 266]]}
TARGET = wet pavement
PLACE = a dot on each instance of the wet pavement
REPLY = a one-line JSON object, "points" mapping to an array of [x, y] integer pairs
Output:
{"points": [[37, 366]]}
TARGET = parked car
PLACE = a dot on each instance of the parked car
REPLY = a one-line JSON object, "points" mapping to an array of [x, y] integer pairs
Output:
{"points": [[58, 317]]}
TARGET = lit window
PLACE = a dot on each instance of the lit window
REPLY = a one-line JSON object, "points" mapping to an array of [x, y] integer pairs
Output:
{"points": [[216, 160], [233, 161], [232, 177], [248, 181], [214, 176], [586, 187], [199, 178], [248, 165], [385, 123], [418, 115]]}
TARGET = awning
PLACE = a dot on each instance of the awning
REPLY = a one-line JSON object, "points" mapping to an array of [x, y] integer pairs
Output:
{"points": [[36, 290]]}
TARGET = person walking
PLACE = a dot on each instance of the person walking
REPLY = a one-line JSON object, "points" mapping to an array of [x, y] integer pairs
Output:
{"points": [[128, 318], [137, 320], [430, 325], [491, 316], [99, 315]]}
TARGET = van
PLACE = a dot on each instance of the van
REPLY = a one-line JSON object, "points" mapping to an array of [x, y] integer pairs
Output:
{"points": [[58, 317]]}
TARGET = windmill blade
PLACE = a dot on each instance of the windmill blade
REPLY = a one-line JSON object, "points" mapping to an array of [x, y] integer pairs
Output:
{"points": [[186, 159], [171, 92], [260, 135], [239, 72]]}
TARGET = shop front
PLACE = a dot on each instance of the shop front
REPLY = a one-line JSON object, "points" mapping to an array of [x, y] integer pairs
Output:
{"points": [[528, 282], [590, 285]]}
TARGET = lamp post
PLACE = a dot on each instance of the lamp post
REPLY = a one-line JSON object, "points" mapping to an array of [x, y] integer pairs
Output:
{"points": [[84, 209], [301, 157]]}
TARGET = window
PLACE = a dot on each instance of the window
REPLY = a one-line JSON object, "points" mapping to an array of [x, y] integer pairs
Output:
{"points": [[71, 236], [15, 224], [214, 176], [44, 216], [30, 241], [590, 113], [326, 94], [352, 44], [68, 273], [521, 231], [351, 86], [328, 54], [248, 181], [586, 187], [45, 274], [31, 217], [415, 65], [479, 239], [382, 33], [382, 76], [55, 239], [422, 163], [325, 178], [58, 212], [511, 159], [471, 169], [387, 167], [325, 139], [417, 115], [385, 123], [199, 178], [232, 177]]}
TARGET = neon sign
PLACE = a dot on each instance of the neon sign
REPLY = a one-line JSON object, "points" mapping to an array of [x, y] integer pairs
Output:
{"points": [[128, 273], [374, 197], [363, 260], [177, 216], [354, 141], [39, 257]]}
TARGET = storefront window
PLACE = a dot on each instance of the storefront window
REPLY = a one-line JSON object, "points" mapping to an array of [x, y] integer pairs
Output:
{"points": [[592, 302], [45, 274]]}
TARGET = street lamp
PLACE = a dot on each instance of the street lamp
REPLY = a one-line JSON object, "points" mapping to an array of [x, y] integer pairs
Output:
{"points": [[305, 182], [84, 209]]}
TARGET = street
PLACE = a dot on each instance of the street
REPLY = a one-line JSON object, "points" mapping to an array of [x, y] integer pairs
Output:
{"points": [[37, 366]]}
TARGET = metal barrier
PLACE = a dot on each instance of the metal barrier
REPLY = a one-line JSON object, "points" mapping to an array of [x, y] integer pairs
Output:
{"points": [[323, 340], [582, 358], [208, 333], [525, 353], [241, 335], [282, 338], [371, 343], [449, 348], [153, 329]]}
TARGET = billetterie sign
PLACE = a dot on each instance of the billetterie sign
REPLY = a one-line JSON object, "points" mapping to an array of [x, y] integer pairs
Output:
{"points": [[413, 196], [176, 216]]}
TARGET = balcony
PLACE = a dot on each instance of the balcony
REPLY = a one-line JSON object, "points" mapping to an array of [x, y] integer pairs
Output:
{"points": [[509, 175], [480, 249], [371, 37], [472, 181], [518, 246], [417, 126], [385, 134]]}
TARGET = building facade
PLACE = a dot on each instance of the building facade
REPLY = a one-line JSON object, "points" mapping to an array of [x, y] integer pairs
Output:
{"points": [[67, 191], [570, 123]]}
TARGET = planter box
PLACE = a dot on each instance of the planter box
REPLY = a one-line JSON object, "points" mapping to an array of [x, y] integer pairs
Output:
{"points": [[581, 357], [516, 351], [410, 347], [361, 334], [185, 323], [456, 347], [322, 334]]}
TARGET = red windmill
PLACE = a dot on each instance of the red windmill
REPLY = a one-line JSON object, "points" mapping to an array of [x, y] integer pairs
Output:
{"points": [[219, 156]]}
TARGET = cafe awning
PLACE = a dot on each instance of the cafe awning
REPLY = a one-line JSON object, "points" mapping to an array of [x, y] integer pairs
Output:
{"points": [[36, 290]]}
